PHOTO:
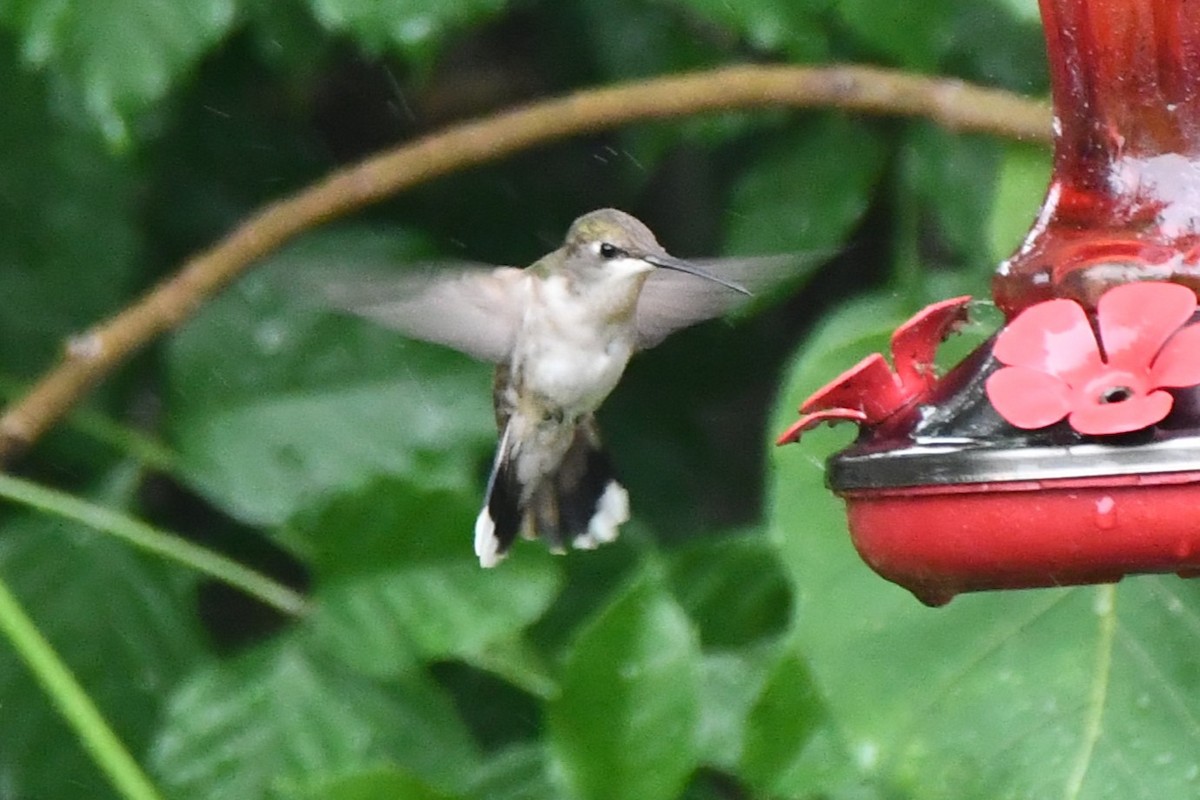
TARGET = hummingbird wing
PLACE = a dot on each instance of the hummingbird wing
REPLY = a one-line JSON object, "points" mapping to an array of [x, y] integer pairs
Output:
{"points": [[475, 310], [671, 301]]}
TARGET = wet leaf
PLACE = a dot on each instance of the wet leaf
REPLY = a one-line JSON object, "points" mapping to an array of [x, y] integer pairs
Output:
{"points": [[69, 242], [117, 56], [915, 33], [794, 28], [804, 190], [398, 581], [781, 724], [730, 684], [624, 725], [121, 622], [954, 179], [379, 783], [283, 720], [415, 30], [733, 587], [516, 773]]}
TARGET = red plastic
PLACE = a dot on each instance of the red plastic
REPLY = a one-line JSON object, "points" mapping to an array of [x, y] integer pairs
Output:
{"points": [[938, 542], [1057, 368], [1096, 332], [869, 393], [1122, 202]]}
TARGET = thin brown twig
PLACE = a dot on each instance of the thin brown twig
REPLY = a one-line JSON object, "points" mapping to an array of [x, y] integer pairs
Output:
{"points": [[91, 356]]}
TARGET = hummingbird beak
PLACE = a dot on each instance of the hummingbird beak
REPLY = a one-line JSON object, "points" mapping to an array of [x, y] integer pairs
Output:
{"points": [[679, 265]]}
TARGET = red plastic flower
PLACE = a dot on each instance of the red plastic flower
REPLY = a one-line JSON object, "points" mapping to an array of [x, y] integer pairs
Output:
{"points": [[1056, 367], [869, 392]]}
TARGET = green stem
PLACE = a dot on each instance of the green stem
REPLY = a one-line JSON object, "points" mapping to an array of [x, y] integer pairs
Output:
{"points": [[141, 535], [72, 701]]}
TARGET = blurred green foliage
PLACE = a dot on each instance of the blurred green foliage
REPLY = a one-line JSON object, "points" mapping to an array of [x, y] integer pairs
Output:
{"points": [[730, 645]]}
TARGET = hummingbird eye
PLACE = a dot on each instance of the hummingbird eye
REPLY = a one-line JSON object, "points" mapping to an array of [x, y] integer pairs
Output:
{"points": [[610, 251]]}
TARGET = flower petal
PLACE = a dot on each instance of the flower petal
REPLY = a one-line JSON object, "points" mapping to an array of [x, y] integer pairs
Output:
{"points": [[810, 421], [1178, 363], [1053, 337], [1028, 398], [915, 343], [1133, 414], [869, 386], [1135, 319]]}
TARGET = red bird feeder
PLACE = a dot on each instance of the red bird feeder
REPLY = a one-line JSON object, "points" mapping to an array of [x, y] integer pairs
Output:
{"points": [[1066, 449]]}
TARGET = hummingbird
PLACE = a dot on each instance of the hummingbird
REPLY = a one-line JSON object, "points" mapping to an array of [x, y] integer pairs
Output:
{"points": [[560, 333]]}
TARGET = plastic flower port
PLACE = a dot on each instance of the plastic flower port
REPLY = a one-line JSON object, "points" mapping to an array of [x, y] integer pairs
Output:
{"points": [[1056, 367], [869, 392]]}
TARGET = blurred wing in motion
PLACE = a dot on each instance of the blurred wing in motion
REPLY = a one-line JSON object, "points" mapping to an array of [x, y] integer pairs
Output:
{"points": [[671, 301], [474, 310]]}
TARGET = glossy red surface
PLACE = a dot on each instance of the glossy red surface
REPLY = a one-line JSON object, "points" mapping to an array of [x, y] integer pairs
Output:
{"points": [[1123, 201], [1123, 207], [940, 541], [870, 392]]}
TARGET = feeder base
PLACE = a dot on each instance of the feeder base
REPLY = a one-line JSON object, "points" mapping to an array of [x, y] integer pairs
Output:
{"points": [[939, 541]]}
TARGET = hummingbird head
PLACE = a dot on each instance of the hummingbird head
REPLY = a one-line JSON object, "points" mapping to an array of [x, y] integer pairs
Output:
{"points": [[608, 243]]}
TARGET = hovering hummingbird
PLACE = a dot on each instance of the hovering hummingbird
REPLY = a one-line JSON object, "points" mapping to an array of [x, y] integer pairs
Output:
{"points": [[561, 333]]}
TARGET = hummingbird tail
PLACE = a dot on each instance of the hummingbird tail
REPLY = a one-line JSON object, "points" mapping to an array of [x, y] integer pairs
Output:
{"points": [[583, 504], [498, 522]]}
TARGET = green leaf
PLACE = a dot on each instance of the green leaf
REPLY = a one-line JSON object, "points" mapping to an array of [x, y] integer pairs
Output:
{"points": [[915, 33], [624, 725], [804, 190], [780, 725], [795, 28], [515, 773], [628, 39], [954, 181], [731, 683], [990, 41], [410, 28], [398, 581], [117, 56], [378, 783], [1026, 10], [123, 624], [733, 587], [1082, 693], [1024, 176], [273, 405], [283, 719], [69, 241]]}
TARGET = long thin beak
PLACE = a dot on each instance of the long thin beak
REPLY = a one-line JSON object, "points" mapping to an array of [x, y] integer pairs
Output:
{"points": [[679, 265]]}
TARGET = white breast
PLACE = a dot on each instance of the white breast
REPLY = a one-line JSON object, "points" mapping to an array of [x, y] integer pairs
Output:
{"points": [[574, 352]]}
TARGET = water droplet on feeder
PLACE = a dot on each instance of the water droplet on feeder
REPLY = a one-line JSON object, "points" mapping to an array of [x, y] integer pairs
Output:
{"points": [[1106, 513]]}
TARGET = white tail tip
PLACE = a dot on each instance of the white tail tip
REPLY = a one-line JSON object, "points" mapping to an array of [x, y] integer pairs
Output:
{"points": [[487, 546], [612, 510]]}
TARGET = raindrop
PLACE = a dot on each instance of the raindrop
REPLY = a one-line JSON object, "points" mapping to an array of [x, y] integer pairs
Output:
{"points": [[270, 337], [867, 754], [1106, 513]]}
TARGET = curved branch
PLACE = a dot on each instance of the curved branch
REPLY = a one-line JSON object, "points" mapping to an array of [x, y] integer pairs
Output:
{"points": [[90, 356]]}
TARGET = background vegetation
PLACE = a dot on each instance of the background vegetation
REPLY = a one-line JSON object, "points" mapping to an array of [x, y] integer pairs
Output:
{"points": [[730, 645]]}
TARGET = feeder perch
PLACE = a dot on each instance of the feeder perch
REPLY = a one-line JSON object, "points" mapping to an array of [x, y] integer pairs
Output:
{"points": [[1066, 449]]}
